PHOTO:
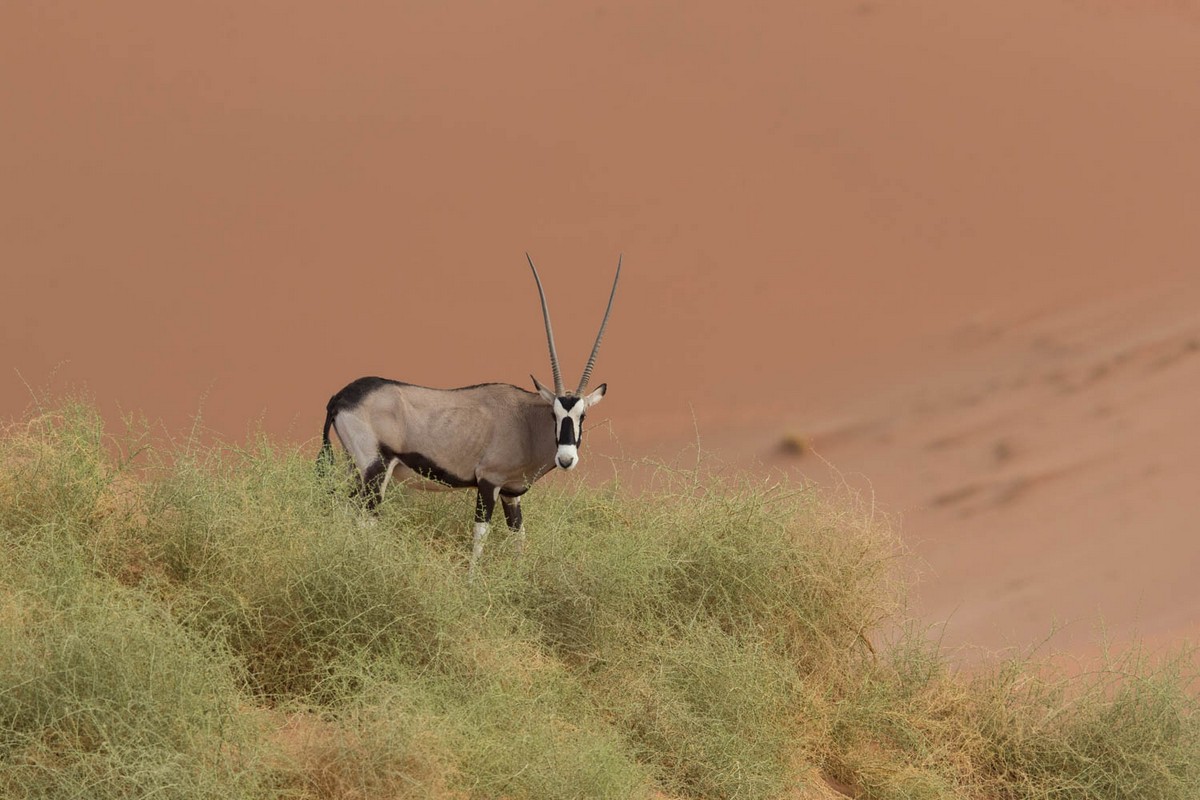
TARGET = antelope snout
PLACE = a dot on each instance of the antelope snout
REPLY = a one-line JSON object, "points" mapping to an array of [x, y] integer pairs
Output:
{"points": [[567, 457]]}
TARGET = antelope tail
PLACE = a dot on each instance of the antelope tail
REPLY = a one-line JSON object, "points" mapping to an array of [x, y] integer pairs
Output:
{"points": [[325, 457]]}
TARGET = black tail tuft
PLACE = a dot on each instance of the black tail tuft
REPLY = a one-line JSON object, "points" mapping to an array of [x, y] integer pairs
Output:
{"points": [[325, 457]]}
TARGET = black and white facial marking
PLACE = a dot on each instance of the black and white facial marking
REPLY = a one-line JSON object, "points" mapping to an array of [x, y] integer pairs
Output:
{"points": [[568, 419], [569, 412]]}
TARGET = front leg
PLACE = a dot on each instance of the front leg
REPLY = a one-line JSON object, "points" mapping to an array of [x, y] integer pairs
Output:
{"points": [[512, 515], [485, 505]]}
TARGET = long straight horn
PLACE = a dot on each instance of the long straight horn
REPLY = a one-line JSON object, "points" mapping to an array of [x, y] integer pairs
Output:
{"points": [[587, 371], [558, 384]]}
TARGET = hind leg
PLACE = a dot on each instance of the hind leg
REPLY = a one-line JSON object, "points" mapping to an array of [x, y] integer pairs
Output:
{"points": [[363, 446], [375, 480]]}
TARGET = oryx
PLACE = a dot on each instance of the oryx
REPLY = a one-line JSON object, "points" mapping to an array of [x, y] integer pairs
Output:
{"points": [[494, 437]]}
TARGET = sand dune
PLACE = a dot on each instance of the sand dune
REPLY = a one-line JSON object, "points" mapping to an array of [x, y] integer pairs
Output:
{"points": [[1044, 469], [954, 243]]}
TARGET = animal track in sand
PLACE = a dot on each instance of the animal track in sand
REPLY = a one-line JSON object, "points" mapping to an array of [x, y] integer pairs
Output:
{"points": [[980, 495], [1150, 356]]}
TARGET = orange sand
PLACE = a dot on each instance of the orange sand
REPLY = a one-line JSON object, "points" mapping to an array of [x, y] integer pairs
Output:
{"points": [[954, 243]]}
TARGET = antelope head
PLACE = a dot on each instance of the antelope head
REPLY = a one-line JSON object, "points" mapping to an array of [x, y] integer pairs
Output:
{"points": [[570, 408]]}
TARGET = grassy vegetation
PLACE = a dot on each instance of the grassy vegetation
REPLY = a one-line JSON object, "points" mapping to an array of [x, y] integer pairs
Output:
{"points": [[220, 622]]}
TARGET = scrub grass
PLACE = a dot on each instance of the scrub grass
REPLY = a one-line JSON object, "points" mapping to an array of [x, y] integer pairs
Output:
{"points": [[220, 621]]}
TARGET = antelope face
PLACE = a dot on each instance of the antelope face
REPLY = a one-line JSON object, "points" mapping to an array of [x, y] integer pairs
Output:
{"points": [[569, 413]]}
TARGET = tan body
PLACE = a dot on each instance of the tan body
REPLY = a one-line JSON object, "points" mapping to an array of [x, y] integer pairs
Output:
{"points": [[496, 434]]}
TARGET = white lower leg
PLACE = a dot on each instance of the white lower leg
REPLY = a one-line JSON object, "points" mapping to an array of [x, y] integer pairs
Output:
{"points": [[519, 540], [480, 535]]}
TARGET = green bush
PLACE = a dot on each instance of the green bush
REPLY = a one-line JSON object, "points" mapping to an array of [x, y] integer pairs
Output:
{"points": [[219, 621], [106, 695]]}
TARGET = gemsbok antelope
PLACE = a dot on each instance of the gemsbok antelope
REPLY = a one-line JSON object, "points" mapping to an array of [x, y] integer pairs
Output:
{"points": [[494, 437]]}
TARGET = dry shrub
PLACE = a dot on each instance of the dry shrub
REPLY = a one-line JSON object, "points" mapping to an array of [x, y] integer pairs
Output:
{"points": [[708, 639], [359, 759]]}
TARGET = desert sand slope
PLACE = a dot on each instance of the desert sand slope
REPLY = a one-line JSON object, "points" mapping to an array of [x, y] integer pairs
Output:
{"points": [[903, 220], [1044, 469]]}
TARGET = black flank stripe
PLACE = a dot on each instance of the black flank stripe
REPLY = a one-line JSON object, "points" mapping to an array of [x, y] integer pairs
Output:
{"points": [[426, 467]]}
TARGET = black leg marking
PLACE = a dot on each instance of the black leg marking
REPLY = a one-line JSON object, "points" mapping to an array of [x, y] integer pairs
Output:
{"points": [[372, 483], [485, 502], [512, 512]]}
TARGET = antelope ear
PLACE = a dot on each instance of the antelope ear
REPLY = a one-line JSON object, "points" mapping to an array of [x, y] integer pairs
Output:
{"points": [[595, 396], [546, 394]]}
